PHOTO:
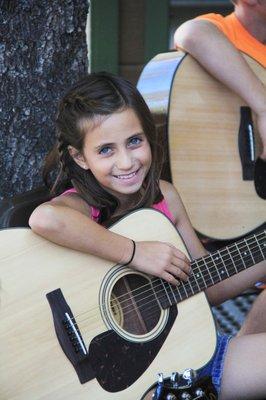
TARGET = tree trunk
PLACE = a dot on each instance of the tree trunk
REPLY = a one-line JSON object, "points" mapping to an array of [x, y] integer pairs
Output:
{"points": [[42, 52]]}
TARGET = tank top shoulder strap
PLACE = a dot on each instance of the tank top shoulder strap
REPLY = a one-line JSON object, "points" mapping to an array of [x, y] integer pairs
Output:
{"points": [[95, 212], [163, 207]]}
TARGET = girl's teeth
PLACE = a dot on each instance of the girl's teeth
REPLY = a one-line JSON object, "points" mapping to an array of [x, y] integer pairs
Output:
{"points": [[126, 176]]}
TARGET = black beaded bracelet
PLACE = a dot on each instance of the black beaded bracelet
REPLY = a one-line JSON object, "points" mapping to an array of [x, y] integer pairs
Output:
{"points": [[132, 255]]}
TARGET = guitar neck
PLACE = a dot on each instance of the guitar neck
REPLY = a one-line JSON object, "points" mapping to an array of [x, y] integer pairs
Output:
{"points": [[213, 268]]}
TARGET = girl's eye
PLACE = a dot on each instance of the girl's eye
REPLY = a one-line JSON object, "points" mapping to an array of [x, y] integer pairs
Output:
{"points": [[105, 150], [135, 141]]}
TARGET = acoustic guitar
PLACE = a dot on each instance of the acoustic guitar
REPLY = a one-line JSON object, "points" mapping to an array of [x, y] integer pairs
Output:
{"points": [[213, 144], [74, 326]]}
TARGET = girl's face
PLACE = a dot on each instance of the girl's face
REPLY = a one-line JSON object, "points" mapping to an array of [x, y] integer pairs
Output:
{"points": [[117, 152]]}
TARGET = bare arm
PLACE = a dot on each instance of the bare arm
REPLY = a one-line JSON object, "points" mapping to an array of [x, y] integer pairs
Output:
{"points": [[182, 221], [66, 221], [219, 57]]}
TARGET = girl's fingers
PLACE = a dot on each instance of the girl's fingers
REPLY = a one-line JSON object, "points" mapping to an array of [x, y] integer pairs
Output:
{"points": [[179, 254], [181, 264], [170, 278], [177, 272]]}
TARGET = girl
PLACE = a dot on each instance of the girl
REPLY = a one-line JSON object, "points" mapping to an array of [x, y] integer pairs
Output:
{"points": [[107, 151]]}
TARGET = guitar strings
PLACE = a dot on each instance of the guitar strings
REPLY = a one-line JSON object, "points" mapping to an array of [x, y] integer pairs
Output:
{"points": [[208, 264], [208, 261], [151, 308], [184, 283], [152, 311], [163, 290], [126, 312]]}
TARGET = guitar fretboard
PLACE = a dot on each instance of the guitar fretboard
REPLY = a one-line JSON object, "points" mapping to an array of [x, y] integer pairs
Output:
{"points": [[213, 268]]}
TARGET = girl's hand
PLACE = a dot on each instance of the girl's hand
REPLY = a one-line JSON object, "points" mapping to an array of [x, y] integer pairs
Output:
{"points": [[162, 260]]}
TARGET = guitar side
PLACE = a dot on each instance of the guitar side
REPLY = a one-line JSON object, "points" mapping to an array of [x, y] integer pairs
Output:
{"points": [[33, 365]]}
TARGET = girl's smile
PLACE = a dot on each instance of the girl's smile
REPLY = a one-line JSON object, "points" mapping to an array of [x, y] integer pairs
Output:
{"points": [[127, 177], [117, 153]]}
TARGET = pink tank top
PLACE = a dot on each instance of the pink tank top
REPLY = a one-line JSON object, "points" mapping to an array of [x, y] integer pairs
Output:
{"points": [[161, 206]]}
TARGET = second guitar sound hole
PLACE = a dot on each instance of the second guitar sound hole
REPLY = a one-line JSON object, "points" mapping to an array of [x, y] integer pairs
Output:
{"points": [[133, 305]]}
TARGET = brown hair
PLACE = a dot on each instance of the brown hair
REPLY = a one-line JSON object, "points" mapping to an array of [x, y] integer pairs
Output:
{"points": [[99, 94]]}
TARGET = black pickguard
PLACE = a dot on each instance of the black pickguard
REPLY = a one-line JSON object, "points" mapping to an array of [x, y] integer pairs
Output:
{"points": [[118, 363]]}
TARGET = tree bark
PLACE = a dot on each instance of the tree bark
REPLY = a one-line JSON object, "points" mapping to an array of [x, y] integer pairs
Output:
{"points": [[43, 51]]}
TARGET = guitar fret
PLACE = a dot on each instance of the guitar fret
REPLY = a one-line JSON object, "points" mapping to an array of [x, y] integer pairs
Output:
{"points": [[259, 247], [207, 270], [181, 288], [264, 248], [247, 254], [236, 246], [210, 277], [191, 288], [164, 297], [193, 278], [231, 259], [258, 255], [168, 297], [218, 258], [217, 269], [217, 277], [171, 293], [199, 275], [177, 295], [185, 290]]}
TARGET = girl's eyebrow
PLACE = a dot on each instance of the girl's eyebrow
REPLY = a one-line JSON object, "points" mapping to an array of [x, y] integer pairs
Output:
{"points": [[135, 134], [103, 145], [112, 144]]}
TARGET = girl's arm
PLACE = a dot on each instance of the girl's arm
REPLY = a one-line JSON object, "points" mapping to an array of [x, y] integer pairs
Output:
{"points": [[66, 221], [182, 221]]}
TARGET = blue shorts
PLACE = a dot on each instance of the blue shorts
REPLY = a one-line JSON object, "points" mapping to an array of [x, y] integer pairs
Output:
{"points": [[214, 368]]}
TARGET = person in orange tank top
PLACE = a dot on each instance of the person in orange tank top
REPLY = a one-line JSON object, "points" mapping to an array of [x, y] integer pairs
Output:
{"points": [[215, 41]]}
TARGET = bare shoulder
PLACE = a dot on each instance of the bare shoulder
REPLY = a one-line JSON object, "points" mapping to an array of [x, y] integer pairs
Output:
{"points": [[168, 190], [172, 198], [72, 200]]}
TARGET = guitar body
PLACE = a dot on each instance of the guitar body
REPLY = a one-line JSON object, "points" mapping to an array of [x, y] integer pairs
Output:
{"points": [[203, 119], [125, 361]]}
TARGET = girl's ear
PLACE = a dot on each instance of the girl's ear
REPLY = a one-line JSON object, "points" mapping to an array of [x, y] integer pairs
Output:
{"points": [[77, 157]]}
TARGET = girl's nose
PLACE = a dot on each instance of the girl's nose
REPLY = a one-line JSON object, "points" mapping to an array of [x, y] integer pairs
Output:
{"points": [[124, 160]]}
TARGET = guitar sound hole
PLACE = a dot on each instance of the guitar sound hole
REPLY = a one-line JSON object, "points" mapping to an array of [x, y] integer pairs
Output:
{"points": [[133, 305]]}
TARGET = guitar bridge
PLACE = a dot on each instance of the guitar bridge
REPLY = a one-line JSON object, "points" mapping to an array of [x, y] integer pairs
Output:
{"points": [[69, 336], [74, 334]]}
